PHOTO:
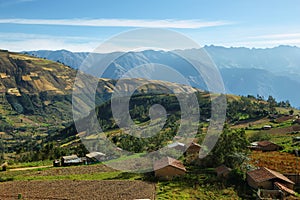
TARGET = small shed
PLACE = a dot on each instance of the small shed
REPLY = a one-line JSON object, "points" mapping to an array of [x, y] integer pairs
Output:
{"points": [[222, 171], [268, 146], [266, 127], [168, 168], [265, 178], [71, 160], [193, 148], [94, 157]]}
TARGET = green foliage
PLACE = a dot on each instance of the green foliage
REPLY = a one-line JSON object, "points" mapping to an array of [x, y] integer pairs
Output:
{"points": [[30, 164], [246, 108], [231, 150], [195, 186], [272, 103], [6, 179], [48, 152], [259, 136]]}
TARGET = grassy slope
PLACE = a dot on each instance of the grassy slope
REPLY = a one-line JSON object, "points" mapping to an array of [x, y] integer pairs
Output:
{"points": [[181, 190]]}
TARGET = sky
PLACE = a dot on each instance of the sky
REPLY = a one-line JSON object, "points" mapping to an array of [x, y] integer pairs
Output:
{"points": [[78, 25]]}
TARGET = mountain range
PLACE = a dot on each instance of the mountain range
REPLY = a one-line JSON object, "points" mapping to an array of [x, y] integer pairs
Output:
{"points": [[271, 71]]}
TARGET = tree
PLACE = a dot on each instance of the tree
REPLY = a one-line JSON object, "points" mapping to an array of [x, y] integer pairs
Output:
{"points": [[231, 149], [272, 103], [287, 104]]}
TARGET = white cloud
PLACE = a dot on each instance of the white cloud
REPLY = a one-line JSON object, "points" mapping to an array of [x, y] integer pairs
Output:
{"points": [[25, 42], [168, 23]]}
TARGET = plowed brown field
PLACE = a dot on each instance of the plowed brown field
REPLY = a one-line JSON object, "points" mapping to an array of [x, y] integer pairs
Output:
{"points": [[68, 189]]}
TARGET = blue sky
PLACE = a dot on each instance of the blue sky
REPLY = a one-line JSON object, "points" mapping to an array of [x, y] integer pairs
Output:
{"points": [[83, 25]]}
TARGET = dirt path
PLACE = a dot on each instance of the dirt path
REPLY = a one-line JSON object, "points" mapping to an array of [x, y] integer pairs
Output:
{"points": [[29, 168]]}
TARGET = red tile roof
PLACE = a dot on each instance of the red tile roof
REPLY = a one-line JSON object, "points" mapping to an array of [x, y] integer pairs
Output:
{"points": [[264, 143], [222, 169], [168, 161], [265, 174]]}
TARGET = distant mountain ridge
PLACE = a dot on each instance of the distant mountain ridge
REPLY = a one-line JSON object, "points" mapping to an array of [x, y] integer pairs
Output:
{"points": [[271, 71], [69, 58]]}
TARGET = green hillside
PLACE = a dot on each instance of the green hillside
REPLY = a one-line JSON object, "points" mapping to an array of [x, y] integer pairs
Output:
{"points": [[36, 113]]}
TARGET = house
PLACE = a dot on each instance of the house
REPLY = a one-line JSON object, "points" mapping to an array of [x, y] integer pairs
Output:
{"points": [[168, 167], [266, 127], [265, 178], [177, 146], [264, 146], [222, 171], [71, 160], [268, 146], [94, 157], [193, 148]]}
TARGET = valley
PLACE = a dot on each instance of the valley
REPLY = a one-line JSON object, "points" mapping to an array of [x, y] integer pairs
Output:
{"points": [[37, 127], [149, 100]]}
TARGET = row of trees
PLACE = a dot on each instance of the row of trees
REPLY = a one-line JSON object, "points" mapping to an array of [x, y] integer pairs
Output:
{"points": [[51, 151], [251, 107]]}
